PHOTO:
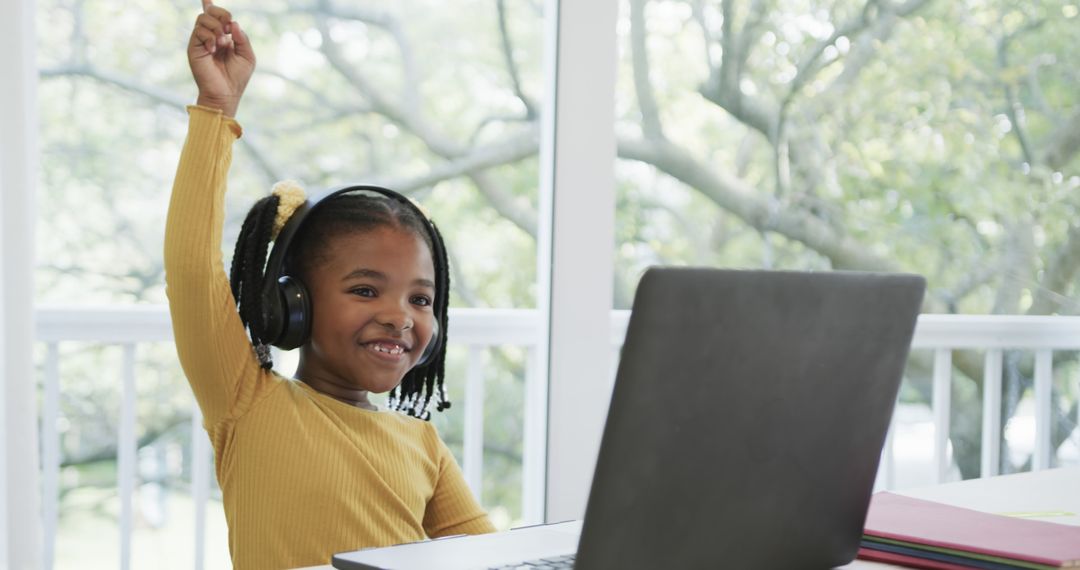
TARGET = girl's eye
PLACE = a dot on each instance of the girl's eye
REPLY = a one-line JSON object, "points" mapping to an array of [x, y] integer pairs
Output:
{"points": [[363, 291], [421, 300]]}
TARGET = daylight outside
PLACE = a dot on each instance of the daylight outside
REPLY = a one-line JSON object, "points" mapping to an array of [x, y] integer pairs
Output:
{"points": [[927, 136]]}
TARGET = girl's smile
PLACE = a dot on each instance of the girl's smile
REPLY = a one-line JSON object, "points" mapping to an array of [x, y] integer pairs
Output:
{"points": [[387, 349]]}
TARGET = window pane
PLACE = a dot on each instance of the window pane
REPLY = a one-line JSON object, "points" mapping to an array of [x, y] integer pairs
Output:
{"points": [[437, 100], [927, 137]]}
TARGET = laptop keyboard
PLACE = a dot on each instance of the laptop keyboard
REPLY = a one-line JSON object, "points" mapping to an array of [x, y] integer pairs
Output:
{"points": [[553, 563]]}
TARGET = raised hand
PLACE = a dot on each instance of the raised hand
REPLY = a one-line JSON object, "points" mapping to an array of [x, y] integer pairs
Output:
{"points": [[221, 59]]}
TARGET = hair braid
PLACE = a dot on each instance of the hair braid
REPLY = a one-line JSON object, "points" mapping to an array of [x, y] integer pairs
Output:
{"points": [[437, 370], [248, 271], [239, 260]]}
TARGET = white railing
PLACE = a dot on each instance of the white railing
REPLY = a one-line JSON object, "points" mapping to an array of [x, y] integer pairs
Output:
{"points": [[478, 329], [945, 333], [475, 329]]}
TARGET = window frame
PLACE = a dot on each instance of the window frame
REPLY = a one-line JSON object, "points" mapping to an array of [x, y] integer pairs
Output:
{"points": [[20, 535], [575, 263]]}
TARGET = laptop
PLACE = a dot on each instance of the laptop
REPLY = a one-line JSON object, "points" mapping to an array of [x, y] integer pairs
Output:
{"points": [[744, 431]]}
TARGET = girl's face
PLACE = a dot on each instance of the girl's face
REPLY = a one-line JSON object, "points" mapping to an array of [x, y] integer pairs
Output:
{"points": [[372, 296]]}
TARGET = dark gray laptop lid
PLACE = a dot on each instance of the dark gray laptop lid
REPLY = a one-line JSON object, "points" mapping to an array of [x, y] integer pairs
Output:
{"points": [[748, 418]]}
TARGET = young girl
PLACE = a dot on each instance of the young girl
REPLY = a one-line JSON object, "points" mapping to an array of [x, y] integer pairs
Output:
{"points": [[309, 467]]}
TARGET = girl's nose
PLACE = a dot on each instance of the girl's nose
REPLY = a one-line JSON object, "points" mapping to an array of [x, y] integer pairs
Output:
{"points": [[394, 319]]}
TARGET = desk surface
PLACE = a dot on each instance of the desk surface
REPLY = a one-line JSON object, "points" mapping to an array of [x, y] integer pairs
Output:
{"points": [[1052, 496]]}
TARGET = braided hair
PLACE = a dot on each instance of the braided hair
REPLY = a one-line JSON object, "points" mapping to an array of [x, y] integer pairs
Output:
{"points": [[339, 215]]}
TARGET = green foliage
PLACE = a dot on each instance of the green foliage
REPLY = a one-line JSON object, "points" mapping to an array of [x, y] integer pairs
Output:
{"points": [[900, 137]]}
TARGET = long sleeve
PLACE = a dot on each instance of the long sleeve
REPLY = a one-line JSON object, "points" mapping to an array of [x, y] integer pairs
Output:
{"points": [[213, 348], [452, 509]]}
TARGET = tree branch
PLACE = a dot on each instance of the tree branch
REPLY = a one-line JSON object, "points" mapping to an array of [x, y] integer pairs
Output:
{"points": [[463, 160], [389, 23], [741, 200], [340, 110], [1063, 144], [506, 151], [116, 80], [723, 85], [501, 152], [650, 115], [811, 64], [491, 119], [408, 119], [690, 229], [459, 284], [874, 15], [511, 65], [520, 215], [1015, 261], [1014, 109], [698, 11], [865, 46], [729, 57], [1039, 101], [160, 96], [1059, 273], [971, 281], [759, 9]]}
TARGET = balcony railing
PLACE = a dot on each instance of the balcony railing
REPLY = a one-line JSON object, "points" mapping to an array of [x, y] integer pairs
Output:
{"points": [[478, 329]]}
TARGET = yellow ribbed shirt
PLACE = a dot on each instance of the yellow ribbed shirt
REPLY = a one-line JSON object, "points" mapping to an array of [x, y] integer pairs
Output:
{"points": [[302, 475]]}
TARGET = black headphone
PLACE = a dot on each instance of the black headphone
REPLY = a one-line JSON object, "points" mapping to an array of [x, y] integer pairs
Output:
{"points": [[286, 303]]}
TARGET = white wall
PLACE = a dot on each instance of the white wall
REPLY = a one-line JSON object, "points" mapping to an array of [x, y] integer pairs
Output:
{"points": [[20, 528]]}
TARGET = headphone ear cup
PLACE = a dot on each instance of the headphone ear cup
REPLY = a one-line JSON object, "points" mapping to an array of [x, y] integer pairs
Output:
{"points": [[296, 314], [432, 346]]}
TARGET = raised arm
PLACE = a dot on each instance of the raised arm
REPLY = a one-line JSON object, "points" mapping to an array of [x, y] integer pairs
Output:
{"points": [[210, 339]]}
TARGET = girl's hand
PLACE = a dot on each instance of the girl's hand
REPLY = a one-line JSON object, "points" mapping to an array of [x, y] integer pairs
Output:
{"points": [[221, 59]]}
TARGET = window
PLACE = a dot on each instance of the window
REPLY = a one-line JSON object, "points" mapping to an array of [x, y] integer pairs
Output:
{"points": [[441, 102], [935, 138]]}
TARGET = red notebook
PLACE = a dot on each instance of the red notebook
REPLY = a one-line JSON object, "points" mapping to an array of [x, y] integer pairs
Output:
{"points": [[935, 524]]}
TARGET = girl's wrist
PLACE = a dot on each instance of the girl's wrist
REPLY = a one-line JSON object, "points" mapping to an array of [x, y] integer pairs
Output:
{"points": [[227, 106]]}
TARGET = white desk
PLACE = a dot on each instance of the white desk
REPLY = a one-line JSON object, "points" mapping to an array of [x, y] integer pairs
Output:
{"points": [[1050, 492]]}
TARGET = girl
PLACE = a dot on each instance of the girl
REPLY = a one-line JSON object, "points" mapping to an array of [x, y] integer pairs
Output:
{"points": [[309, 467]]}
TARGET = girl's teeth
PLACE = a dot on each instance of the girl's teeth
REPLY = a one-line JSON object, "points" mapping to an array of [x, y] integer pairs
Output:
{"points": [[388, 350]]}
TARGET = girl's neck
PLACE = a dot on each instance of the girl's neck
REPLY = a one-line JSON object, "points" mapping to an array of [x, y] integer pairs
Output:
{"points": [[326, 384]]}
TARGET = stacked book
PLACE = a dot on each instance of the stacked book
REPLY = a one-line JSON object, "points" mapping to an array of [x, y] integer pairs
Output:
{"points": [[924, 534]]}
